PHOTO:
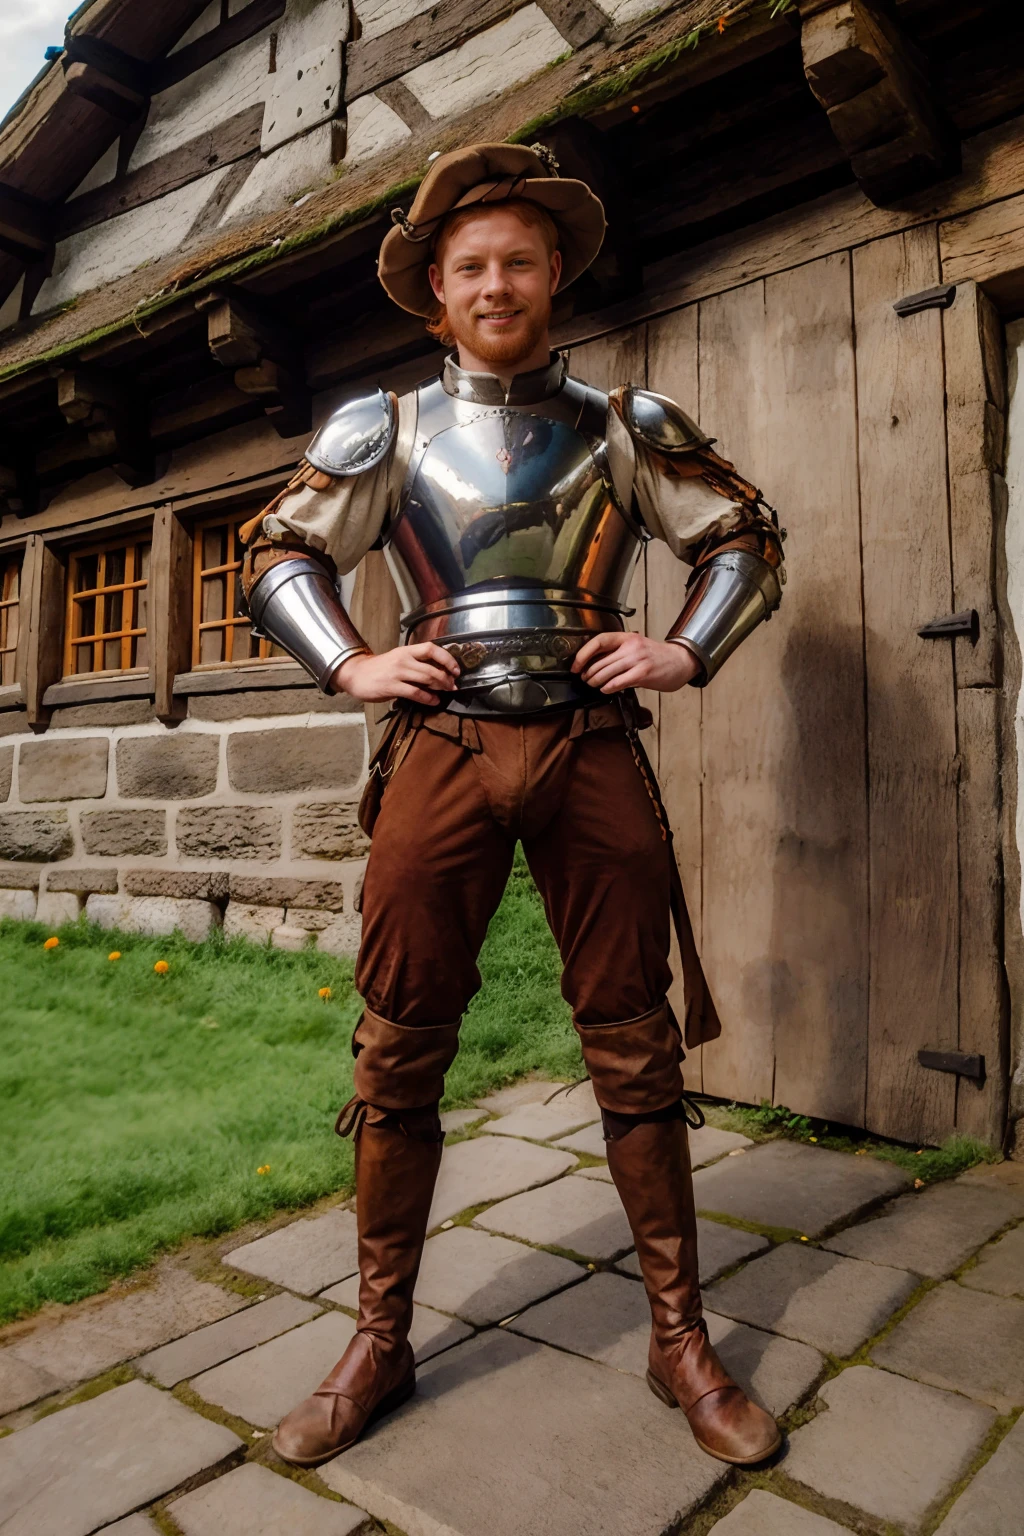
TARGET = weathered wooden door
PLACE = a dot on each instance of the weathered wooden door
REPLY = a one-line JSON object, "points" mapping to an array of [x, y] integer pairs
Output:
{"points": [[817, 787]]}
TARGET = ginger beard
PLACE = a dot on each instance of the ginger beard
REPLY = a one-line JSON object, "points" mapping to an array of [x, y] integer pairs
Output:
{"points": [[496, 274]]}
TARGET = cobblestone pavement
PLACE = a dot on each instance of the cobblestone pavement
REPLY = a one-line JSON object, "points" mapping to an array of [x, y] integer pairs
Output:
{"points": [[883, 1325]]}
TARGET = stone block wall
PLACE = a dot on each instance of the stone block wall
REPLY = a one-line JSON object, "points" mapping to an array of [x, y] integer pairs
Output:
{"points": [[244, 815]]}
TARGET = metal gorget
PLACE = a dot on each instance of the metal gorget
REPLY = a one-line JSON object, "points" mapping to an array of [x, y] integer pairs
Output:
{"points": [[511, 548]]}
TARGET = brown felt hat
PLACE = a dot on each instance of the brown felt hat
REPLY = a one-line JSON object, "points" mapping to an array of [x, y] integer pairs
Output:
{"points": [[486, 173]]}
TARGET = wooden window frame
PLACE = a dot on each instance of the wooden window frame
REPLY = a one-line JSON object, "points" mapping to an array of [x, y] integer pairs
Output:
{"points": [[100, 638], [232, 520], [11, 577]]}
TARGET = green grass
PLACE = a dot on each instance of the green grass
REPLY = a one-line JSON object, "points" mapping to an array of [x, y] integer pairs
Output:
{"points": [[929, 1164], [136, 1108]]}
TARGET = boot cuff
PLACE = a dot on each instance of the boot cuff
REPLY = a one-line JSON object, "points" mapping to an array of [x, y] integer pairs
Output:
{"points": [[635, 1065], [399, 1066]]}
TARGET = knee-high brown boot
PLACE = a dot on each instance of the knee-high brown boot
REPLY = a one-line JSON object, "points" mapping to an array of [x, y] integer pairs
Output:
{"points": [[398, 1154], [650, 1163]]}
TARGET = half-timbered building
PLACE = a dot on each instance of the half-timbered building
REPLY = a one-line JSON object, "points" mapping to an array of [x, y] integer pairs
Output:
{"points": [[816, 244]]}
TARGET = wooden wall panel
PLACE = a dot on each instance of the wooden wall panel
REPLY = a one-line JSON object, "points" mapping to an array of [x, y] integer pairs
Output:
{"points": [[912, 746], [785, 827], [672, 369], [818, 951], [741, 738]]}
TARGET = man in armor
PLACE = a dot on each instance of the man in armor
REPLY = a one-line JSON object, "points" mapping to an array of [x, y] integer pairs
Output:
{"points": [[511, 501]]}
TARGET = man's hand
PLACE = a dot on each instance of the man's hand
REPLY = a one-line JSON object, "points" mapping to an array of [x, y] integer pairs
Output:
{"points": [[617, 660], [419, 672]]}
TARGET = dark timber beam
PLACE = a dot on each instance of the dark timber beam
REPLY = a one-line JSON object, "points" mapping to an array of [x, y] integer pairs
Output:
{"points": [[114, 418], [25, 224], [265, 357], [874, 86]]}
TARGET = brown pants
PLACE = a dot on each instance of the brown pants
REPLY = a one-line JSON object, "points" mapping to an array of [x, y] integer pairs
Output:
{"points": [[570, 789]]}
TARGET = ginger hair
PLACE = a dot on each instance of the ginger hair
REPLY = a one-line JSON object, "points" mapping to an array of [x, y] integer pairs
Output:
{"points": [[530, 214]]}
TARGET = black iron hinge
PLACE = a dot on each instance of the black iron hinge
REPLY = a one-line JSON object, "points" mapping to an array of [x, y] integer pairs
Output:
{"points": [[954, 1061], [929, 298], [965, 623]]}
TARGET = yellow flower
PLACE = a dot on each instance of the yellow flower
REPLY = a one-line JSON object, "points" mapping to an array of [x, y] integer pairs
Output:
{"points": [[919, 1183], [325, 994], [813, 1138], [803, 1239], [115, 954], [161, 967], [51, 943], [264, 1169]]}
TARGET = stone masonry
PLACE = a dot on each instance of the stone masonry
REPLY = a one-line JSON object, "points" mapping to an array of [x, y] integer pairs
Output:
{"points": [[244, 815], [531, 1416]]}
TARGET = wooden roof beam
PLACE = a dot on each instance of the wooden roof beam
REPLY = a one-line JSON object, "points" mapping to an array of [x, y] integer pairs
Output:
{"points": [[874, 85], [266, 361], [114, 418], [25, 224]]}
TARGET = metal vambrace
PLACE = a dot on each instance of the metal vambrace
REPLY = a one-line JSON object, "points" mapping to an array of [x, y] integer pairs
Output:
{"points": [[729, 596], [295, 605]]}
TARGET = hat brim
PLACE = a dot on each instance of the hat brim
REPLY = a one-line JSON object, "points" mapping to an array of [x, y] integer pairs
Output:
{"points": [[577, 214]]}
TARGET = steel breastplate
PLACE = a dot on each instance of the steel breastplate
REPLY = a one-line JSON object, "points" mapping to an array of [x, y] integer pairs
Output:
{"points": [[511, 548]]}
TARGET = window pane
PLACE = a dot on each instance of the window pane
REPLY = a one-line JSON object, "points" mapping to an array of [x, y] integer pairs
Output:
{"points": [[114, 571], [211, 645], [212, 602], [86, 569], [214, 547], [85, 617]]}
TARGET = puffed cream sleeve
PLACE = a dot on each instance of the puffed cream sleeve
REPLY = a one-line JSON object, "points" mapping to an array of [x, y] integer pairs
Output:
{"points": [[676, 499]]}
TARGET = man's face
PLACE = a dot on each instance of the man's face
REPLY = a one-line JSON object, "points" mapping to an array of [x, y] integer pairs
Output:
{"points": [[496, 280]]}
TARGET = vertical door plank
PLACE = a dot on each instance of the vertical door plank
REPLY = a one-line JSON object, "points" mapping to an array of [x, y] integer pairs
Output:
{"points": [[740, 736], [672, 370], [984, 999], [976, 432], [819, 941], [170, 612], [785, 792], [912, 763], [43, 620]]}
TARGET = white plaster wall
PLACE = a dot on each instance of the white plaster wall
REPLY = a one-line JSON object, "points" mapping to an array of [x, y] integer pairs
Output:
{"points": [[309, 24], [1015, 602], [98, 255], [372, 128], [209, 19], [379, 16], [201, 102], [103, 171], [622, 11], [487, 64], [280, 177]]}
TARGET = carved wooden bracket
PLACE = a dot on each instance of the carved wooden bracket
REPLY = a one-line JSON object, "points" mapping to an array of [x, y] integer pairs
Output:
{"points": [[105, 76], [114, 418], [265, 358], [19, 492], [873, 84]]}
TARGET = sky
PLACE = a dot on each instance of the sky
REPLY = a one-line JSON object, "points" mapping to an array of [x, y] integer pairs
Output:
{"points": [[26, 28]]}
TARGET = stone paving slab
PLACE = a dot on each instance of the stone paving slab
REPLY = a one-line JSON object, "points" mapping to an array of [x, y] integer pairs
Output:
{"points": [[931, 1233], [1006, 1176], [819, 1298], [788, 1184], [530, 1091], [509, 1438], [598, 1171], [262, 1385], [253, 1501], [491, 1168], [88, 1465], [541, 1122], [718, 1248], [590, 1140], [888, 1446], [208, 1346], [991, 1503], [96, 1337], [607, 1319], [581, 1215], [458, 1119], [1000, 1267], [709, 1143], [966, 1341], [431, 1331], [763, 1514], [306, 1255], [485, 1278]]}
